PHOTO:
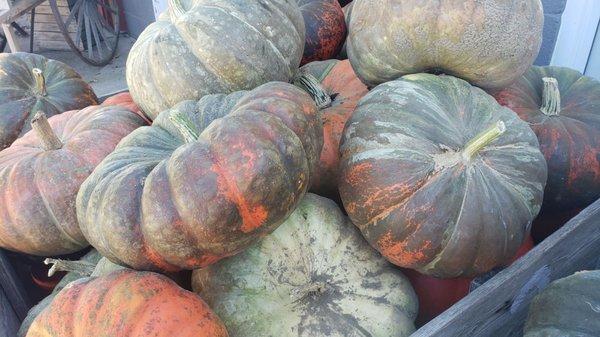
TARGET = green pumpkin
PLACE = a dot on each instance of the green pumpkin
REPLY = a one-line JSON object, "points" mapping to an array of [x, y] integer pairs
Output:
{"points": [[201, 47], [314, 276], [569, 307]]}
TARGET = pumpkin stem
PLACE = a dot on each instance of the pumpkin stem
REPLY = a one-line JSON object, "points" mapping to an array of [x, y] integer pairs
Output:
{"points": [[42, 128], [306, 290], [312, 86], [185, 126], [484, 139], [83, 268], [177, 9], [551, 103], [40, 81]]}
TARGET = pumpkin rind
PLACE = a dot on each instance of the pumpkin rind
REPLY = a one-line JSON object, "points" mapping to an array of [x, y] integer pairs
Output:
{"points": [[158, 203], [20, 99], [126, 303], [489, 43], [38, 188], [125, 100], [201, 47], [569, 307], [570, 141], [408, 184], [325, 29], [313, 276]]}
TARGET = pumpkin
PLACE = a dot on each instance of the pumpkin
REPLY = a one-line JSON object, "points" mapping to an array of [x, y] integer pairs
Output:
{"points": [[40, 175], [126, 303], [548, 222], [125, 100], [313, 276], [563, 108], [439, 177], [347, 9], [336, 82], [489, 43], [569, 307], [201, 47], [186, 192], [325, 29], [32, 83]]}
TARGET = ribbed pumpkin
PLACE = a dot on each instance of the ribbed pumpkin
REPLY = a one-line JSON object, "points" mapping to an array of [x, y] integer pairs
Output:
{"points": [[32, 83], [313, 276], [569, 307], [125, 100], [347, 9], [439, 177], [336, 84], [40, 175], [126, 303], [489, 43], [201, 47], [185, 194], [563, 108], [325, 29]]}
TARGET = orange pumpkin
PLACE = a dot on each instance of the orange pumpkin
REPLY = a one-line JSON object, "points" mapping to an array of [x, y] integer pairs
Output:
{"points": [[129, 304], [125, 100]]}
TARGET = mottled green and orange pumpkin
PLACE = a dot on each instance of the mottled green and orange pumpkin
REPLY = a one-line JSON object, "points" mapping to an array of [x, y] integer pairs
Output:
{"points": [[325, 29], [201, 47], [562, 106], [205, 181], [32, 83], [439, 177], [489, 43], [126, 303], [41, 172]]}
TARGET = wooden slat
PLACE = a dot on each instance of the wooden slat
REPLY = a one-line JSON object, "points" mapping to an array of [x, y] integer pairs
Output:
{"points": [[499, 307], [18, 8], [12, 287], [9, 323]]}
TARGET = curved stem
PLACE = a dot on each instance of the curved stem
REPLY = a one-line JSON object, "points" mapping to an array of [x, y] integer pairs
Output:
{"points": [[49, 140], [185, 126], [306, 290], [40, 81], [177, 9], [484, 139], [551, 103], [312, 86], [82, 268]]}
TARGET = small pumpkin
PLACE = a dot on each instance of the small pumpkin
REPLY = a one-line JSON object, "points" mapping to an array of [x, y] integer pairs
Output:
{"points": [[32, 83], [40, 175], [439, 177], [194, 187], [125, 100], [489, 43], [203, 47], [126, 303], [325, 29], [336, 83], [313, 276], [569, 307], [562, 106]]}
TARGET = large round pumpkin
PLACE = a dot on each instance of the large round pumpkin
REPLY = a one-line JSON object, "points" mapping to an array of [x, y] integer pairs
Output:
{"points": [[342, 89], [201, 47], [125, 100], [563, 108], [325, 29], [186, 192], [489, 43], [126, 303], [569, 307], [439, 177], [32, 83], [40, 175], [313, 276]]}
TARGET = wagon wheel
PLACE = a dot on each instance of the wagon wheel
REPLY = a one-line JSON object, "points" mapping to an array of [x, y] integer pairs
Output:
{"points": [[91, 28]]}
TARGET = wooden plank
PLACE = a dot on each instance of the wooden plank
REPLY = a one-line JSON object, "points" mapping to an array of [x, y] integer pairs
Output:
{"points": [[19, 8], [499, 307], [11, 38], [10, 283], [9, 323]]}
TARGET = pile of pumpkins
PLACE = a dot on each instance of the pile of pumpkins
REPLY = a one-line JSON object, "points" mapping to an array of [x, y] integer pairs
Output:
{"points": [[438, 140]]}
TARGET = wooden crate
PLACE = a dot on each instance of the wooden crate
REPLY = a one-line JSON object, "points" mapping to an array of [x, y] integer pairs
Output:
{"points": [[14, 303], [47, 34]]}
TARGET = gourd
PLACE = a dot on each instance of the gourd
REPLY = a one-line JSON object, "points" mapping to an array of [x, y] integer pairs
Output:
{"points": [[325, 29], [125, 100]]}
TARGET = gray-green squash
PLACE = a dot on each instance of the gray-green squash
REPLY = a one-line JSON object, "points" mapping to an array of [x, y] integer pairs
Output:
{"points": [[313, 276]]}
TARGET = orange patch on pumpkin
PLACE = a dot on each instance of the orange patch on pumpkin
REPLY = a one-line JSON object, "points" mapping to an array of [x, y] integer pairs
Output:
{"points": [[398, 252]]}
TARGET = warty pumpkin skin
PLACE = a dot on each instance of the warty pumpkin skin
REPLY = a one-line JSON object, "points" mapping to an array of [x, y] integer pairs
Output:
{"points": [[439, 177], [39, 181], [128, 304], [313, 276], [201, 47], [32, 83], [163, 201], [325, 29], [337, 80], [489, 43], [569, 307], [565, 115]]}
